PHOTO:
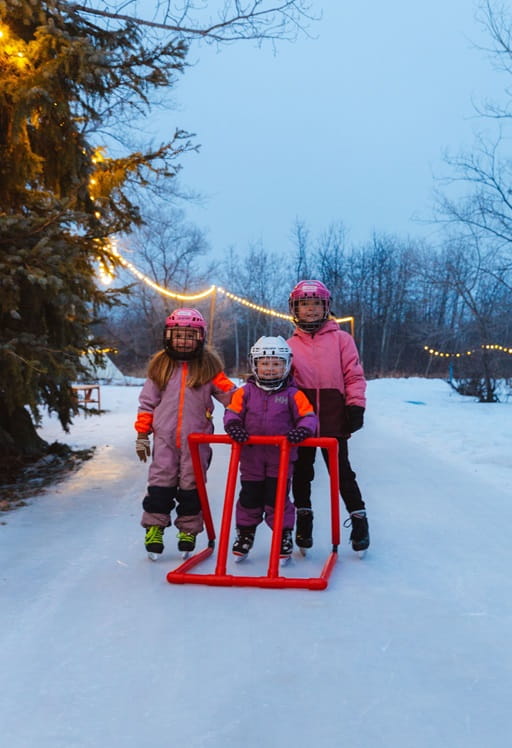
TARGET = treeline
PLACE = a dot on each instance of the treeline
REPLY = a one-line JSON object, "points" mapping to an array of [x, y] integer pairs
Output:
{"points": [[429, 308], [407, 298]]}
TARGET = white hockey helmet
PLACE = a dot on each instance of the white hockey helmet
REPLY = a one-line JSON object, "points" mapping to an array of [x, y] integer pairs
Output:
{"points": [[270, 347]]}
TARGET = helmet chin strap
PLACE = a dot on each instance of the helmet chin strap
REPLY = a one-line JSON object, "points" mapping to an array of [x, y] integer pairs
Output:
{"points": [[185, 355], [311, 326], [269, 384]]}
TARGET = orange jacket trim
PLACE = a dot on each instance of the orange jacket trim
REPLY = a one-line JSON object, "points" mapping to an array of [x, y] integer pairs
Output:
{"points": [[183, 387], [222, 382], [304, 407], [144, 423], [237, 401]]}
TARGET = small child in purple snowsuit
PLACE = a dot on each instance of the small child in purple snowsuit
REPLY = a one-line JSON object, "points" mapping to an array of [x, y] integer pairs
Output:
{"points": [[176, 400], [268, 404]]}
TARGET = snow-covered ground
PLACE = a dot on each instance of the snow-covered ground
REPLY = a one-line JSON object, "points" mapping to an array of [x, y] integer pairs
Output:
{"points": [[408, 647]]}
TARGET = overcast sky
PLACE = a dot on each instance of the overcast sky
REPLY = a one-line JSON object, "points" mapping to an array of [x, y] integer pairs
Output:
{"points": [[348, 126]]}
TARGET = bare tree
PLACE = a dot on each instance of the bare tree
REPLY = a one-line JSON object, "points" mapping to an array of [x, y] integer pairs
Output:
{"points": [[170, 252], [222, 21], [260, 277], [478, 224], [302, 261], [483, 215]]}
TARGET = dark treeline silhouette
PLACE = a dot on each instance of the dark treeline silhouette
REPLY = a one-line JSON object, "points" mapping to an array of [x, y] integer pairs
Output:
{"points": [[407, 298], [420, 309]]}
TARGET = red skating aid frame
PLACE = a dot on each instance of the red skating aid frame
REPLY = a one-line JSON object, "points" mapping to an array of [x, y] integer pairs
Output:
{"points": [[273, 580]]}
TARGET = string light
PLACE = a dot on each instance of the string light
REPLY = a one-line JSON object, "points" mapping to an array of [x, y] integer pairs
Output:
{"points": [[484, 346], [105, 274], [13, 48], [164, 291], [92, 351], [203, 294], [251, 305]]}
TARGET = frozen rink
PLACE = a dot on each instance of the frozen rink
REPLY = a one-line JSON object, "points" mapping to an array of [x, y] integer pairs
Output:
{"points": [[407, 647]]}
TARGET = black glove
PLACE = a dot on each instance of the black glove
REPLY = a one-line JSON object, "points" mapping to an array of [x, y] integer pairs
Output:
{"points": [[298, 434], [236, 431], [355, 414]]}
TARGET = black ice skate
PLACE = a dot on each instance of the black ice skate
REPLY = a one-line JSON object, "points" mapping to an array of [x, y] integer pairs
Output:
{"points": [[286, 545], [154, 541], [304, 528], [186, 541], [244, 541], [360, 536]]}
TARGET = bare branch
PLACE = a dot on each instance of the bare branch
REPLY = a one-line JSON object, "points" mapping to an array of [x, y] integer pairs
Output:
{"points": [[236, 20]]}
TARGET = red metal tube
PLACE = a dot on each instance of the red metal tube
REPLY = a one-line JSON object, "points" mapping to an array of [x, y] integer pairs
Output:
{"points": [[190, 563], [273, 580], [201, 489], [282, 480], [227, 512], [231, 580]]}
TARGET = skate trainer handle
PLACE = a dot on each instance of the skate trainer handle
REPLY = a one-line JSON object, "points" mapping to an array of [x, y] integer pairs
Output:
{"points": [[181, 575]]}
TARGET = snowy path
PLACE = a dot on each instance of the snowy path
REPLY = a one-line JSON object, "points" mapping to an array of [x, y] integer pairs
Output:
{"points": [[408, 647]]}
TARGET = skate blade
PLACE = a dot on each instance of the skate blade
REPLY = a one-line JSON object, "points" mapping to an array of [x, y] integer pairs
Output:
{"points": [[240, 558], [303, 551], [284, 560], [153, 556], [362, 554], [185, 555]]}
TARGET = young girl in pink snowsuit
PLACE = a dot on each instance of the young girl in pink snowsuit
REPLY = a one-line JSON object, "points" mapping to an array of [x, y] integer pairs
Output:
{"points": [[327, 369], [268, 404], [176, 400]]}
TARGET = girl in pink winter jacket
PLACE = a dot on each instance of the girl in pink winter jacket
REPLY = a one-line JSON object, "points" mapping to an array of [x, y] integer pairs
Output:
{"points": [[327, 369], [176, 400]]}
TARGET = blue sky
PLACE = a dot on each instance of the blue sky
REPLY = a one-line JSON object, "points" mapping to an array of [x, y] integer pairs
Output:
{"points": [[350, 125]]}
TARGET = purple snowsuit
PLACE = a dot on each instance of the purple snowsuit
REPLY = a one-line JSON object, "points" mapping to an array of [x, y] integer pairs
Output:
{"points": [[264, 412]]}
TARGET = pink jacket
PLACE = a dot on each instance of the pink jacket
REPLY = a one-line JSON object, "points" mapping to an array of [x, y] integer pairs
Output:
{"points": [[327, 369]]}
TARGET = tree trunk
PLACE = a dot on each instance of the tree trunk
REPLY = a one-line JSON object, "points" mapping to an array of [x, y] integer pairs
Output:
{"points": [[18, 436]]}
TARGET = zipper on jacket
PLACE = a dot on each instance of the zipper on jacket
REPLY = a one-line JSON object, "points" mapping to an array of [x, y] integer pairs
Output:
{"points": [[183, 386]]}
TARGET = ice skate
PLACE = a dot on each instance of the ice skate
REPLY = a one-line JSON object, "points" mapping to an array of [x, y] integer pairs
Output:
{"points": [[304, 530], [186, 542], [286, 547], [243, 542], [360, 536], [154, 541]]}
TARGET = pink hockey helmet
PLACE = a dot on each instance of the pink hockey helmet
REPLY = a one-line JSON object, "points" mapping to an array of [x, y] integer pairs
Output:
{"points": [[185, 320], [309, 289]]}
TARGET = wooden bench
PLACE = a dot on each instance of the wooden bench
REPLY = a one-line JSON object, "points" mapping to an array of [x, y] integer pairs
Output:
{"points": [[85, 394]]}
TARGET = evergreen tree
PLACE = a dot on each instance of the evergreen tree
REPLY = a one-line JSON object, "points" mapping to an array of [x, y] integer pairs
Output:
{"points": [[61, 197]]}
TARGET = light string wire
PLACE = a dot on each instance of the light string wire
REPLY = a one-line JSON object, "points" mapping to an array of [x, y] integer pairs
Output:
{"points": [[484, 346], [208, 292], [265, 310]]}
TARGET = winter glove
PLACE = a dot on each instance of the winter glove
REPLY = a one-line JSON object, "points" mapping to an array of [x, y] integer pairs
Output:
{"points": [[143, 447], [236, 431], [355, 415], [298, 434]]}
